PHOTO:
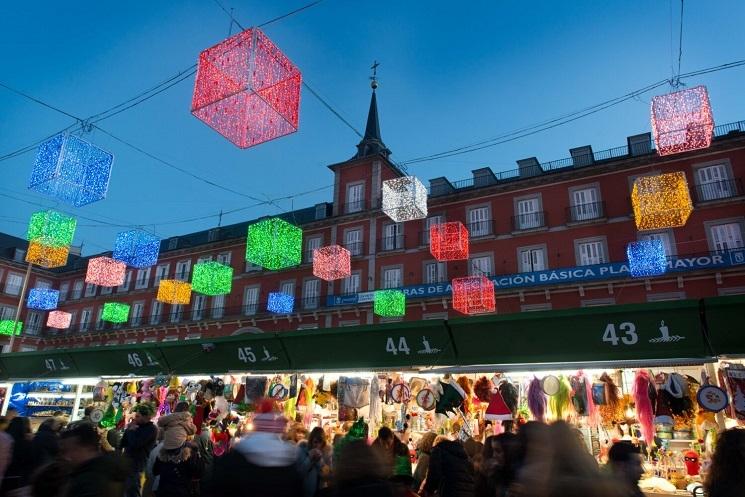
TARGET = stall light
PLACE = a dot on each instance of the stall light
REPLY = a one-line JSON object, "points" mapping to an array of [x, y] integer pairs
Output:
{"points": [[661, 201], [449, 241], [45, 256], [115, 312], [137, 248], [59, 319], [646, 258], [389, 303], [280, 303], [105, 271], [6, 327], [51, 228], [274, 244], [42, 299], [212, 278], [174, 292], [332, 262], [473, 295], [404, 199], [682, 121], [247, 90], [72, 170]]}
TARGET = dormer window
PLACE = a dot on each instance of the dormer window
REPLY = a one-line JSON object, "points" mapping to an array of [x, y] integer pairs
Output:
{"points": [[355, 198]]}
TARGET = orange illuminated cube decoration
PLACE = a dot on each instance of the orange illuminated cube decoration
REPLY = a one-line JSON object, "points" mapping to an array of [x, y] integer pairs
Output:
{"points": [[449, 241], [45, 256], [331, 263], [105, 271], [174, 292], [682, 121], [473, 295], [661, 201]]}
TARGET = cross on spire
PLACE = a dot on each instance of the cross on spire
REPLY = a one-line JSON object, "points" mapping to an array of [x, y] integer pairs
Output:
{"points": [[374, 76]]}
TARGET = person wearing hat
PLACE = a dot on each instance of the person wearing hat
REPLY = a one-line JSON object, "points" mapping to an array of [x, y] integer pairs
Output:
{"points": [[179, 420], [138, 440], [262, 463], [178, 465]]}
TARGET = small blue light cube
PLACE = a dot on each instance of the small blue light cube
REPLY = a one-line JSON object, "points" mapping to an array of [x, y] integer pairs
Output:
{"points": [[72, 170], [280, 303], [137, 248], [42, 299], [646, 258]]}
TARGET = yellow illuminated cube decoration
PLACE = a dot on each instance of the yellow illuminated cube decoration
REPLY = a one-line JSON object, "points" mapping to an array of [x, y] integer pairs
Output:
{"points": [[45, 256], [174, 292], [661, 201]]}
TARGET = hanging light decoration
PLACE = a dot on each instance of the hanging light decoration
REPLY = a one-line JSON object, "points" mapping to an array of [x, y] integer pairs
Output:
{"points": [[274, 244], [389, 303], [280, 303], [115, 312], [212, 278], [646, 258], [137, 248], [47, 257], [449, 241], [661, 201], [72, 170], [59, 319], [174, 292], [404, 199], [682, 121], [6, 327], [42, 299], [332, 262], [51, 228], [247, 90], [473, 295], [105, 271]]}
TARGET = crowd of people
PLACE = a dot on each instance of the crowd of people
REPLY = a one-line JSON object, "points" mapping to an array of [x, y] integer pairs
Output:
{"points": [[171, 457]]}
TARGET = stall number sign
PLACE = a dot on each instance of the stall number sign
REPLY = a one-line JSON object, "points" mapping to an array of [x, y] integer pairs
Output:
{"points": [[399, 345], [55, 365], [246, 355], [626, 334], [135, 359]]}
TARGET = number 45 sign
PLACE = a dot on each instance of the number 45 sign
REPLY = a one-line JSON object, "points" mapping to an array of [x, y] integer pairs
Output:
{"points": [[626, 334]]}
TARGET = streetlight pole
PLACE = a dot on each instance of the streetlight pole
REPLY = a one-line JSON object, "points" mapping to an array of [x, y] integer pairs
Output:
{"points": [[20, 306]]}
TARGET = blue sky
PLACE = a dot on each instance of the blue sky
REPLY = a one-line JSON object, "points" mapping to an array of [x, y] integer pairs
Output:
{"points": [[450, 75]]}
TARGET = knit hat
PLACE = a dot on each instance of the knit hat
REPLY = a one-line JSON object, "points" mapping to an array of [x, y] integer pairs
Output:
{"points": [[267, 420], [497, 410], [174, 438]]}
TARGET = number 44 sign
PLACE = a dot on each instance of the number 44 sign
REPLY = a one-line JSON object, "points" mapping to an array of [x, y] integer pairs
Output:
{"points": [[626, 334], [403, 347]]}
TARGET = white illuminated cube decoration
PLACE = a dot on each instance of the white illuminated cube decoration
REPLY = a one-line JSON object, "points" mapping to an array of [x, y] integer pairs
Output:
{"points": [[404, 199]]}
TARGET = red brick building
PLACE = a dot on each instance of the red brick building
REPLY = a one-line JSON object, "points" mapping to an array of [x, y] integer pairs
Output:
{"points": [[552, 236]]}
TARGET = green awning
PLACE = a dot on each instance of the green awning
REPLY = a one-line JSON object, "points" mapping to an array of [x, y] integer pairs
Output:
{"points": [[725, 320], [666, 330], [40, 365], [144, 359]]}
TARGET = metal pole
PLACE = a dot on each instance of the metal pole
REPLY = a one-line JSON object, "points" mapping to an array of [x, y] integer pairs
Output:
{"points": [[20, 306]]}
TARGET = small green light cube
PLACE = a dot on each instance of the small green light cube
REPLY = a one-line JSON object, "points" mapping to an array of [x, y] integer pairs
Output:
{"points": [[390, 303], [6, 327], [274, 244], [212, 278], [114, 312], [51, 228]]}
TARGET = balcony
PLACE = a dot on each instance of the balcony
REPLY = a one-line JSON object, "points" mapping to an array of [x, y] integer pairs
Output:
{"points": [[529, 221], [585, 212], [389, 243], [353, 207], [719, 190], [481, 228]]}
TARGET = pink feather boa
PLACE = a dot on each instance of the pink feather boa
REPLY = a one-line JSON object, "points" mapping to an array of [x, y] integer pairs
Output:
{"points": [[644, 411]]}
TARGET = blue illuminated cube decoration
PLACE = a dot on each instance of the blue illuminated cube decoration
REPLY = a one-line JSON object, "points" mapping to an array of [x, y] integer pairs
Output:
{"points": [[280, 303], [72, 170], [42, 299], [646, 258], [137, 248]]}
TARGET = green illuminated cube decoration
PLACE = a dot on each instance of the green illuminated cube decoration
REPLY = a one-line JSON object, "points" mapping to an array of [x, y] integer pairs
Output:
{"points": [[212, 278], [51, 228], [6, 327], [114, 312], [389, 303], [274, 244]]}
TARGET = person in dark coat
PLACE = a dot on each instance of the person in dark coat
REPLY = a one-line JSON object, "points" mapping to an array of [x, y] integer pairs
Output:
{"points": [[450, 471], [138, 440], [22, 461], [360, 471], [178, 465], [45, 445]]}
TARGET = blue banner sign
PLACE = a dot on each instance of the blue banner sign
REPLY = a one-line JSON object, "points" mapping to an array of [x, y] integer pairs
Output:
{"points": [[581, 274]]}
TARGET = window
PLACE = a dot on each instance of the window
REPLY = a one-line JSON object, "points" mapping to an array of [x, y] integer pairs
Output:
{"points": [[124, 287], [106, 290], [175, 315], [99, 320], [355, 198], [597, 302], [726, 236], [161, 273], [479, 223], [351, 322], [19, 255], [85, 319], [197, 308], [143, 278], [434, 272], [535, 307], [64, 288], [213, 234], [138, 309], [156, 309], [172, 243], [353, 241], [480, 266], [665, 297], [591, 251], [532, 259], [310, 245], [351, 284], [251, 267], [528, 213], [713, 182], [33, 323], [204, 258], [182, 270], [7, 312], [664, 236], [13, 284], [393, 237], [77, 289], [224, 258], [585, 204], [43, 284], [311, 292], [428, 223], [250, 300], [90, 290], [392, 277], [218, 306], [288, 287]]}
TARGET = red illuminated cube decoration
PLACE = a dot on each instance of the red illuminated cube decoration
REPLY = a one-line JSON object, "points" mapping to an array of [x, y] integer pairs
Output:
{"points": [[59, 319], [449, 241], [473, 295], [682, 121], [105, 271], [247, 90], [331, 263]]}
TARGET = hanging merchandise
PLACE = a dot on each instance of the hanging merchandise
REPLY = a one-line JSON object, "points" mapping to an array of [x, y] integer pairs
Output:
{"points": [[280, 303], [174, 292], [510, 394], [404, 199], [115, 312], [449, 241], [712, 398], [51, 228], [732, 376], [332, 263], [661, 201], [8, 325], [560, 402], [389, 303], [277, 390], [473, 295], [42, 299], [426, 399], [355, 392], [212, 278], [274, 244], [551, 385], [45, 256], [682, 121], [497, 409], [400, 392], [137, 248], [59, 319], [105, 271], [451, 396], [255, 389], [537, 400], [465, 384], [646, 258], [482, 388], [644, 413], [72, 170], [247, 90]]}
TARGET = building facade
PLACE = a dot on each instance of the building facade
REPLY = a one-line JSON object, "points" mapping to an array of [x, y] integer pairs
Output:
{"points": [[550, 235]]}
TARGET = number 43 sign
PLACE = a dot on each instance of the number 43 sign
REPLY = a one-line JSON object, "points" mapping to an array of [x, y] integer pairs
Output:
{"points": [[626, 334]]}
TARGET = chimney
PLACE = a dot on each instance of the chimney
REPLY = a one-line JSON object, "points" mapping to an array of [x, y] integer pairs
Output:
{"points": [[483, 177], [529, 167], [582, 156], [440, 186]]}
